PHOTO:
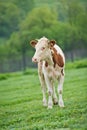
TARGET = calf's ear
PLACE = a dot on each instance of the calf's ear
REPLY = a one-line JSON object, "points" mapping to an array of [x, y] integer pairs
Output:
{"points": [[51, 43], [33, 43]]}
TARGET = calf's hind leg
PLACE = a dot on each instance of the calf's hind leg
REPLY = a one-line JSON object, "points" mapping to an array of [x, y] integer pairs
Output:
{"points": [[60, 90]]}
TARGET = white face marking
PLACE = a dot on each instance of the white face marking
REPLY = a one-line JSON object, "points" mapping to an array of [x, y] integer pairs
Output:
{"points": [[42, 50]]}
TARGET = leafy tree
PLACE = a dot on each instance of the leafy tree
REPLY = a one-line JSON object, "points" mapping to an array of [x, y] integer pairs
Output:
{"points": [[18, 44], [24, 5], [78, 18], [38, 26], [3, 55], [9, 19], [82, 27], [74, 9], [11, 14], [30, 28], [39, 17], [44, 22]]}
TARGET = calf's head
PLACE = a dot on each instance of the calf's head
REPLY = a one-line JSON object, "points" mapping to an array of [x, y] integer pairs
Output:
{"points": [[42, 46]]}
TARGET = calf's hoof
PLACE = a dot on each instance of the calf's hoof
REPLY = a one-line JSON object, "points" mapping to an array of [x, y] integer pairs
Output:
{"points": [[61, 104], [55, 101], [50, 105], [44, 103]]}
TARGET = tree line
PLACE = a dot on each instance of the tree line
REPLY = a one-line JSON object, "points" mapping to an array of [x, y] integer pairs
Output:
{"points": [[63, 20]]}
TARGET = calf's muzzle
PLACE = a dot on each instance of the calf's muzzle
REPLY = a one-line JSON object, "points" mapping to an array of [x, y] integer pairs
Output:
{"points": [[34, 60]]}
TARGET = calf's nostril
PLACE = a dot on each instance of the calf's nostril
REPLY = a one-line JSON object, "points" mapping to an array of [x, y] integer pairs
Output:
{"points": [[34, 59]]}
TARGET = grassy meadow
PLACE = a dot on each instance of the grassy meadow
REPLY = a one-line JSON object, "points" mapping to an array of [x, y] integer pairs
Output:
{"points": [[21, 102]]}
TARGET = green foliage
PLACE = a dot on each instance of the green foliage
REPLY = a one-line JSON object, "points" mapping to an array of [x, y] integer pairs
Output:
{"points": [[3, 52], [74, 9], [24, 6], [81, 64], [77, 64], [40, 18], [9, 18], [31, 72], [4, 76], [19, 44], [31, 28], [62, 20], [11, 14], [21, 103], [81, 24], [66, 35], [77, 16]]}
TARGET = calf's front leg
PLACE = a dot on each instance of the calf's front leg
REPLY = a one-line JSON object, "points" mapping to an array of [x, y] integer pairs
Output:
{"points": [[50, 91], [43, 84], [55, 100]]}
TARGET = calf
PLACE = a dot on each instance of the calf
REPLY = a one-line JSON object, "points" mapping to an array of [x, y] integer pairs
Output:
{"points": [[51, 61]]}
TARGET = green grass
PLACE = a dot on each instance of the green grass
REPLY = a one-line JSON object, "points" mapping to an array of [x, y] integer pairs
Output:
{"points": [[21, 103]]}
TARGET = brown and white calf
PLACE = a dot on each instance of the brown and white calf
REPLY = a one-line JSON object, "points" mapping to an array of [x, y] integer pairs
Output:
{"points": [[51, 61]]}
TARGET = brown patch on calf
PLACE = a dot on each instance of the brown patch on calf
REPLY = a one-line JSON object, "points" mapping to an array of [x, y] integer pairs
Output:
{"points": [[57, 58], [62, 72], [46, 64], [51, 43]]}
